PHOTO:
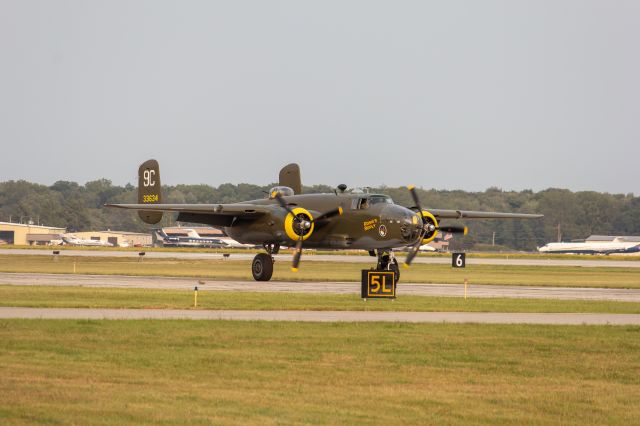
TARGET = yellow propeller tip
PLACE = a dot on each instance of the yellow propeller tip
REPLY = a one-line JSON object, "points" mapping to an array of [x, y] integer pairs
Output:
{"points": [[410, 187], [405, 265], [294, 269], [340, 211], [466, 231]]}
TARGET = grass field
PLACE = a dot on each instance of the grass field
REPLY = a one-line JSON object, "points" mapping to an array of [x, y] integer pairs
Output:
{"points": [[80, 297], [613, 277], [223, 372]]}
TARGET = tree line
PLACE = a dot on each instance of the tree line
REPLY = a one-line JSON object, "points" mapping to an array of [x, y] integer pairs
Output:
{"points": [[568, 215]]}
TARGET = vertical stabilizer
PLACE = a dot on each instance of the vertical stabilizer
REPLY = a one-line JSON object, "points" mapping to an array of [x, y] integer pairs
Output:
{"points": [[290, 176], [149, 190]]}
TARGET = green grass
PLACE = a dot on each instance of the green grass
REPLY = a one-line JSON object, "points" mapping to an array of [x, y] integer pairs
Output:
{"points": [[572, 276], [224, 372], [82, 297]]}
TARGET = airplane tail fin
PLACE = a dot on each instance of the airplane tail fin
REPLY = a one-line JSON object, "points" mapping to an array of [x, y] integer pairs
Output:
{"points": [[290, 176], [149, 190]]}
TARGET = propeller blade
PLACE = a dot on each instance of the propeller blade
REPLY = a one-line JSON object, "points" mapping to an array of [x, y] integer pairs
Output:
{"points": [[296, 255], [329, 214], [454, 229], [416, 201], [416, 247], [283, 203], [412, 253]]}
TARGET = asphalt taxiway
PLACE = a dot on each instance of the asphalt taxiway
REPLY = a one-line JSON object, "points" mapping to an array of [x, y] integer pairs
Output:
{"points": [[356, 258], [442, 290]]}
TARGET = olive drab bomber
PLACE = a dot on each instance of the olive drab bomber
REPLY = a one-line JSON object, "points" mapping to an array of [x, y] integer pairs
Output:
{"points": [[286, 217]]}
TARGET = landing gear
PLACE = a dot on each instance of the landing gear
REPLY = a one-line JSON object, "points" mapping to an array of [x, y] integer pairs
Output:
{"points": [[271, 248], [262, 265], [388, 261]]}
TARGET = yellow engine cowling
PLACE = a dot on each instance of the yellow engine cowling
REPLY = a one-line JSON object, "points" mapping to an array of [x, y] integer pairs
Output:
{"points": [[289, 221], [429, 218]]}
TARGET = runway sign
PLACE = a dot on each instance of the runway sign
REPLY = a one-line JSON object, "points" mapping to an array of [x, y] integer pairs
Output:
{"points": [[378, 284], [458, 260]]}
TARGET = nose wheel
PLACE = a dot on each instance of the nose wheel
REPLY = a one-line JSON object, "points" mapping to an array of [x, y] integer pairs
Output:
{"points": [[388, 261]]}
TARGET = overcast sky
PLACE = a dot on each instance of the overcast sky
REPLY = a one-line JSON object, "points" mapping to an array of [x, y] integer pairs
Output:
{"points": [[440, 94]]}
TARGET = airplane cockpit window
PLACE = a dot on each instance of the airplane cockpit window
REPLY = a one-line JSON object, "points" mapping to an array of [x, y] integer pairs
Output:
{"points": [[366, 202], [285, 191], [380, 199]]}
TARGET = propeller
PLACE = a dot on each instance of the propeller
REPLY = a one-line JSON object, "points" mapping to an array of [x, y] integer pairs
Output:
{"points": [[427, 227], [454, 229], [303, 225]]}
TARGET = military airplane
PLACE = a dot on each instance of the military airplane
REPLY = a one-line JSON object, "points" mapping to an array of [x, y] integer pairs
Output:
{"points": [[287, 217]]}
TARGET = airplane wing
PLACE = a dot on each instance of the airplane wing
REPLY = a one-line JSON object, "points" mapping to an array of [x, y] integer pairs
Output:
{"points": [[468, 214], [218, 209], [212, 214]]}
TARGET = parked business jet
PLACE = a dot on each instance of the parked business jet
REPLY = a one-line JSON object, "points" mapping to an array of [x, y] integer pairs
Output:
{"points": [[617, 245], [72, 240]]}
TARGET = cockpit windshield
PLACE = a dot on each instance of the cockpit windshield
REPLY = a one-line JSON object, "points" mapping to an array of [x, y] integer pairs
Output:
{"points": [[380, 199], [285, 191], [368, 201]]}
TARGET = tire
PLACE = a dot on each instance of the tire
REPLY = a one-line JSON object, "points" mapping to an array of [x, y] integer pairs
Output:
{"points": [[262, 267], [393, 266]]}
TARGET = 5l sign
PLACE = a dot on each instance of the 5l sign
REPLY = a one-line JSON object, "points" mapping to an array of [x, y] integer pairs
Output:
{"points": [[378, 284]]}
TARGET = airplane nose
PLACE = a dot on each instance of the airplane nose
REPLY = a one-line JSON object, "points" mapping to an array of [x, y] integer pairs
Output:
{"points": [[407, 222]]}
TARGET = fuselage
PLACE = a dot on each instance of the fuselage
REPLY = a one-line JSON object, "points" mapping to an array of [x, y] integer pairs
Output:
{"points": [[368, 221]]}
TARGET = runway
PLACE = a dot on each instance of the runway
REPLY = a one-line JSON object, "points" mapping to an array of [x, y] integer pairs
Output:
{"points": [[471, 260], [321, 316], [434, 290]]}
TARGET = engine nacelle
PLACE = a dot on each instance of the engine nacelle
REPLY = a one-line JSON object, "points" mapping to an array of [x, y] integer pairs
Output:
{"points": [[298, 227], [430, 219]]}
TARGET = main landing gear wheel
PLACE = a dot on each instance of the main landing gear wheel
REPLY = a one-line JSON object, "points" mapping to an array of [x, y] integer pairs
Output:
{"points": [[262, 267]]}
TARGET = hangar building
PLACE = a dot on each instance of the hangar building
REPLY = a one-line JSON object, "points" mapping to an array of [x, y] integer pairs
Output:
{"points": [[25, 234], [116, 238]]}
